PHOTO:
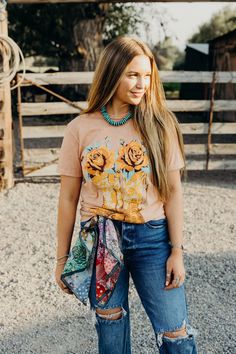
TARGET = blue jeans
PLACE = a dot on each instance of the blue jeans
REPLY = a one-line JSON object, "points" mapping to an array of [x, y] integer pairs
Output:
{"points": [[145, 249]]}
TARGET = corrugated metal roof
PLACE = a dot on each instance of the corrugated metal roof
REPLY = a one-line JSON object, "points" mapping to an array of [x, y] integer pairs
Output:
{"points": [[201, 47]]}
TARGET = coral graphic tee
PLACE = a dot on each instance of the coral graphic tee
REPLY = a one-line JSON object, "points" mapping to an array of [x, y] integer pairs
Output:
{"points": [[116, 171]]}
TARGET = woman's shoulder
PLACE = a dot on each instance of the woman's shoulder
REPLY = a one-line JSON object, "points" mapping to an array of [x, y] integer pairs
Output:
{"points": [[83, 120]]}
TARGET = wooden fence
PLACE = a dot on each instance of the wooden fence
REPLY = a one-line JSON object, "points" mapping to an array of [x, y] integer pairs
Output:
{"points": [[6, 153], [219, 156]]}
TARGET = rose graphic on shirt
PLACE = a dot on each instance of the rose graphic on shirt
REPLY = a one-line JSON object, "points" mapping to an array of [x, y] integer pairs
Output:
{"points": [[132, 156], [122, 179], [98, 160], [99, 166]]}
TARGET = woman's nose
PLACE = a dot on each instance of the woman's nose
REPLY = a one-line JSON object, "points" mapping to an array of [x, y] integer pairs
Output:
{"points": [[140, 82]]}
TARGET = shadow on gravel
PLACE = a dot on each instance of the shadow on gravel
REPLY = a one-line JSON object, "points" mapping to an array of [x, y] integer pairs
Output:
{"points": [[218, 178], [223, 179]]}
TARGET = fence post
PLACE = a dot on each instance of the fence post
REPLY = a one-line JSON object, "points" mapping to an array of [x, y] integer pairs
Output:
{"points": [[213, 84], [6, 149]]}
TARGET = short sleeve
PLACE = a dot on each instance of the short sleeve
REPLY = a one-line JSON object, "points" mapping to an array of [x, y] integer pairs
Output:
{"points": [[69, 157], [174, 159]]}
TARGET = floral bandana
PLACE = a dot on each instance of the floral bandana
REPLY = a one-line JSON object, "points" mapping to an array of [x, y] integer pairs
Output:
{"points": [[98, 241]]}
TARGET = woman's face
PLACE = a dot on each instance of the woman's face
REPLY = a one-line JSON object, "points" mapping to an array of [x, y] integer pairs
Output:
{"points": [[135, 81]]}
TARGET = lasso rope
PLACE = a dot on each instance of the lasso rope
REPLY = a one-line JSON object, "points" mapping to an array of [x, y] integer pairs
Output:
{"points": [[3, 5], [11, 52]]}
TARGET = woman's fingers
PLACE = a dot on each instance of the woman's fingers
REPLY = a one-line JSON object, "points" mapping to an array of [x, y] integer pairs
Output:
{"points": [[68, 291], [177, 281], [64, 287], [60, 282], [168, 277], [175, 272]]}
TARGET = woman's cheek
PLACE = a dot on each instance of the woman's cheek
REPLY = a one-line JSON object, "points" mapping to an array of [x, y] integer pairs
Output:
{"points": [[147, 82], [130, 82]]}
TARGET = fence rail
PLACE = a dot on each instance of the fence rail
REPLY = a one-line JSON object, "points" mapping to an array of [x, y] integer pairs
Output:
{"points": [[86, 77], [49, 108], [211, 156]]}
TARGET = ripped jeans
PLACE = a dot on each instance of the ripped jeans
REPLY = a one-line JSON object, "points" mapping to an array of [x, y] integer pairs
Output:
{"points": [[145, 249]]}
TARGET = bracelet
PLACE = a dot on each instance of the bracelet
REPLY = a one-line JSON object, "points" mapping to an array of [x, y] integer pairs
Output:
{"points": [[62, 256], [176, 245], [61, 263]]}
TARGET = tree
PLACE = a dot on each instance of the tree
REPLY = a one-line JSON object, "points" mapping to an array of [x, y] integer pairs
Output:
{"points": [[220, 23], [72, 34], [166, 54]]}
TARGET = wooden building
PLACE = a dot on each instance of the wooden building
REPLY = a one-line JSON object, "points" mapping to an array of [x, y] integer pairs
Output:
{"points": [[222, 57], [219, 54], [196, 59]]}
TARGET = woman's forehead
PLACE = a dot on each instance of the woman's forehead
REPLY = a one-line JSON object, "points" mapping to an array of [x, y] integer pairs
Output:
{"points": [[139, 64]]}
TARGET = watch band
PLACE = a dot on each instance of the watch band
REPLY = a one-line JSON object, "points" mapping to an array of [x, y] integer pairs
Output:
{"points": [[176, 245]]}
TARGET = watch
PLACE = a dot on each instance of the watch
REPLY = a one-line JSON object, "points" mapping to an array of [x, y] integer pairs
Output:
{"points": [[176, 245]]}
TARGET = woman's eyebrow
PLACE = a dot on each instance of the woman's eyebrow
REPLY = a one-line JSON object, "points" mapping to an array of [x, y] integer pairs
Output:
{"points": [[136, 72]]}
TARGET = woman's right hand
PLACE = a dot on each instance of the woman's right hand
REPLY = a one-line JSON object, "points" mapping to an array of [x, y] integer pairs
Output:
{"points": [[58, 271]]}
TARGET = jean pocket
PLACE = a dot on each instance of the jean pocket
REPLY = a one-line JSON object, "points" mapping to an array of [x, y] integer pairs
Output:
{"points": [[156, 224]]}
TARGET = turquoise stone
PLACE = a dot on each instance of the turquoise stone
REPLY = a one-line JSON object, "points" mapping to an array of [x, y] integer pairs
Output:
{"points": [[113, 122]]}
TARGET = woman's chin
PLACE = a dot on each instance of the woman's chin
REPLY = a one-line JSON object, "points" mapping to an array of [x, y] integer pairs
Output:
{"points": [[135, 101]]}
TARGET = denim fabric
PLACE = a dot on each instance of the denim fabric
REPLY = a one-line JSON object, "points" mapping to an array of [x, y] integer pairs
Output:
{"points": [[145, 249]]}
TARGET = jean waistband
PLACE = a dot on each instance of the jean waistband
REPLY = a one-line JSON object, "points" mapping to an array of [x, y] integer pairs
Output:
{"points": [[156, 221]]}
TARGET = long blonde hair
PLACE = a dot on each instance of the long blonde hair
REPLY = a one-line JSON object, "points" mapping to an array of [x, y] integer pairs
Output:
{"points": [[153, 120]]}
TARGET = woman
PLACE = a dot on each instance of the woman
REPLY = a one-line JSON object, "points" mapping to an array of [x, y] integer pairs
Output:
{"points": [[123, 157]]}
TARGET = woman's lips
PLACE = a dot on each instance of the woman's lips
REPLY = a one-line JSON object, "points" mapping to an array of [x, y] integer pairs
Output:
{"points": [[137, 94]]}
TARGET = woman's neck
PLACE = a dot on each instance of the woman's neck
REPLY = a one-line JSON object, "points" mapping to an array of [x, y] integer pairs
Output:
{"points": [[117, 109]]}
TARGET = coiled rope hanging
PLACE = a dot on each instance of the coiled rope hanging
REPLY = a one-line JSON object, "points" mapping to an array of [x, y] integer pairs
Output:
{"points": [[11, 52], [3, 5]]}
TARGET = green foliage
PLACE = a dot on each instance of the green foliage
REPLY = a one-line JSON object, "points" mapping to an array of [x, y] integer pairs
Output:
{"points": [[167, 54], [179, 61], [121, 19], [47, 29], [172, 86], [222, 22]]}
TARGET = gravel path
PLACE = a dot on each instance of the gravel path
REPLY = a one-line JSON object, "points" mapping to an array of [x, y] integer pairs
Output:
{"points": [[37, 317]]}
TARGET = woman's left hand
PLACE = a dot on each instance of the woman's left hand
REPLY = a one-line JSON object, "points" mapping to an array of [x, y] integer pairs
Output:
{"points": [[175, 271]]}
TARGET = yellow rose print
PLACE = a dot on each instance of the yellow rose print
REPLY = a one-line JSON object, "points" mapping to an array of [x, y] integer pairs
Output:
{"points": [[98, 160], [132, 157], [122, 178]]}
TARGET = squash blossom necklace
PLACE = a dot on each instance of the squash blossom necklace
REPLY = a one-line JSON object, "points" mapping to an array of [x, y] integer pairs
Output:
{"points": [[113, 122]]}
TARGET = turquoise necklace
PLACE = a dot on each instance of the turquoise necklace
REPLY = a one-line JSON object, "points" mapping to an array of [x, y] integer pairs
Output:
{"points": [[113, 122]]}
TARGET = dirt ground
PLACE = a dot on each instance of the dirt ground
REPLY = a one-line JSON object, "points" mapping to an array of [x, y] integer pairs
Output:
{"points": [[37, 317]]}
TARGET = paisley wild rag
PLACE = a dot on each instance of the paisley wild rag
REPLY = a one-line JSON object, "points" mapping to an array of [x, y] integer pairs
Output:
{"points": [[98, 241]]}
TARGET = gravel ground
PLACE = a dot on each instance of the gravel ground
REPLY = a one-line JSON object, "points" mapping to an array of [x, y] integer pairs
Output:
{"points": [[37, 317]]}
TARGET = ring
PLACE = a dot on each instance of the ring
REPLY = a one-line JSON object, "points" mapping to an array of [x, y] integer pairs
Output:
{"points": [[177, 280]]}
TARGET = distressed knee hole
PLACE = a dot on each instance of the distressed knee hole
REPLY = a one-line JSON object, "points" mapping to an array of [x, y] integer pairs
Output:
{"points": [[186, 331], [177, 333], [110, 314]]}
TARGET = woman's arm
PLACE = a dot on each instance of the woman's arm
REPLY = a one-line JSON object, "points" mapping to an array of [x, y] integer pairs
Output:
{"points": [[67, 207], [174, 215], [174, 210]]}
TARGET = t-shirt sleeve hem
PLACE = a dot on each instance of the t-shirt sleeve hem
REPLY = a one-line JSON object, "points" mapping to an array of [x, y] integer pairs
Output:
{"points": [[68, 173]]}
